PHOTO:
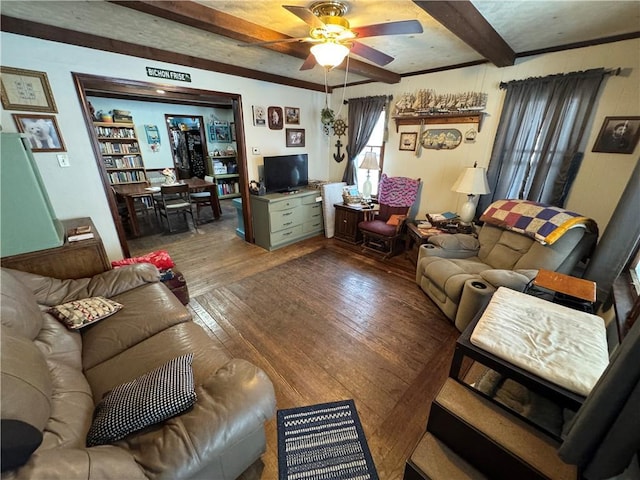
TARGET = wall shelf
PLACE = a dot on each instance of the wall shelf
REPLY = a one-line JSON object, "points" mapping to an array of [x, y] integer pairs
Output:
{"points": [[441, 119]]}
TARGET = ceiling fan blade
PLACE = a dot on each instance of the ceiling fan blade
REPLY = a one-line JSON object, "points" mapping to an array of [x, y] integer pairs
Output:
{"points": [[309, 63], [271, 42], [390, 28], [305, 15], [376, 56]]}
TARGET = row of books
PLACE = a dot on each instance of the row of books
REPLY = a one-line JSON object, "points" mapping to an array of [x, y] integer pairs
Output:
{"points": [[228, 188], [127, 161], [115, 132], [127, 177], [108, 147]]}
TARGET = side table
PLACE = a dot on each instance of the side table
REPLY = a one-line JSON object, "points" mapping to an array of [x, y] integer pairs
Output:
{"points": [[347, 219]]}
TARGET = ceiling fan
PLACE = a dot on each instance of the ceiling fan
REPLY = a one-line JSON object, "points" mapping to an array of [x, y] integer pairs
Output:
{"points": [[334, 38]]}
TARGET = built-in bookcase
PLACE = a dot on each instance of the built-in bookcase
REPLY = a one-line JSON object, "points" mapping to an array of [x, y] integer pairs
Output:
{"points": [[120, 151]]}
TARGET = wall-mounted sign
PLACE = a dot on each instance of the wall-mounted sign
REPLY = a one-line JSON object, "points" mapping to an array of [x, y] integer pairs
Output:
{"points": [[168, 74], [441, 139]]}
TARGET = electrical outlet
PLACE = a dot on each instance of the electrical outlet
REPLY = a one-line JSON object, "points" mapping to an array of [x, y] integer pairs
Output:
{"points": [[255, 151], [63, 160]]}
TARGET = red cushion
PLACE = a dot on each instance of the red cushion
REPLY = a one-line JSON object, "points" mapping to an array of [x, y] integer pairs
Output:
{"points": [[159, 258], [379, 227]]}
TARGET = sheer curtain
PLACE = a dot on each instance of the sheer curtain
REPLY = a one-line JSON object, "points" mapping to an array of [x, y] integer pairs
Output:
{"points": [[536, 153], [363, 116]]}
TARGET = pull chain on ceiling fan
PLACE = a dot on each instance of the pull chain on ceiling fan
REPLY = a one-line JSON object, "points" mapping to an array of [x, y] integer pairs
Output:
{"points": [[334, 38]]}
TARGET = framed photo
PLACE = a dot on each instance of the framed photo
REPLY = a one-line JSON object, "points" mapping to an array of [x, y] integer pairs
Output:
{"points": [[42, 132], [274, 114], [618, 135], [259, 116], [295, 137], [26, 90], [292, 115], [221, 132], [408, 141]]}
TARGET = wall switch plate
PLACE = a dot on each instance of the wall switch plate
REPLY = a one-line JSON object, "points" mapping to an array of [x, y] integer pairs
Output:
{"points": [[63, 160], [255, 151]]}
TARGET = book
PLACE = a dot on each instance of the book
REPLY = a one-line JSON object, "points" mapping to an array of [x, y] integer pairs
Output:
{"points": [[82, 232]]}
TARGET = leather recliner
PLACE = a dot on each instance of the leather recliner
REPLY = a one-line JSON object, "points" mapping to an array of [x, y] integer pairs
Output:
{"points": [[460, 272]]}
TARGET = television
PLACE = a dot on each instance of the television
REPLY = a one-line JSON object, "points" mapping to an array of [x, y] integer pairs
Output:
{"points": [[285, 173]]}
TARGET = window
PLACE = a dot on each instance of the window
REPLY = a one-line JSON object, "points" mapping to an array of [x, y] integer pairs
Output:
{"points": [[374, 144]]}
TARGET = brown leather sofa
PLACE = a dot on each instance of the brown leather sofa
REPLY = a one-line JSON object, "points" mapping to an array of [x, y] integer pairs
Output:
{"points": [[53, 377]]}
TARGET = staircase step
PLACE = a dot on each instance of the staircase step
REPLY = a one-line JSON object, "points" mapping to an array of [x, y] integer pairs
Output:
{"points": [[497, 443], [433, 460]]}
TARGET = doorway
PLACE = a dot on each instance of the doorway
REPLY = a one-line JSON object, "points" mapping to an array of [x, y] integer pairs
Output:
{"points": [[93, 85], [188, 145]]}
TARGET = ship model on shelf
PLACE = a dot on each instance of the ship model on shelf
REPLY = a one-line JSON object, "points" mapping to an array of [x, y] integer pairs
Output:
{"points": [[428, 102]]}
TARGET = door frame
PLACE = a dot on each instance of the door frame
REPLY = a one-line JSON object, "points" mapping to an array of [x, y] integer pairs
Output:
{"points": [[99, 86]]}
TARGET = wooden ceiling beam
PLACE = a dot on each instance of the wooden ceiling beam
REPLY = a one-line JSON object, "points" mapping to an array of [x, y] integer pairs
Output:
{"points": [[204, 18], [462, 19]]}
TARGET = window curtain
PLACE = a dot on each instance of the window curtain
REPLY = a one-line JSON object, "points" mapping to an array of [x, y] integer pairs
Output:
{"points": [[619, 241], [536, 153], [363, 116]]}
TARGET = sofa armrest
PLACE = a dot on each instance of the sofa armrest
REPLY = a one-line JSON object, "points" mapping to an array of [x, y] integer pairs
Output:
{"points": [[52, 291], [513, 279], [89, 463]]}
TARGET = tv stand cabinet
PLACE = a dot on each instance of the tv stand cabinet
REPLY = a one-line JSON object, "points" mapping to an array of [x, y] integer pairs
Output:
{"points": [[282, 219]]}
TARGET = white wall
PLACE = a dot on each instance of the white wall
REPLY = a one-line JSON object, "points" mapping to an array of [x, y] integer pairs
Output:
{"points": [[602, 176], [76, 191]]}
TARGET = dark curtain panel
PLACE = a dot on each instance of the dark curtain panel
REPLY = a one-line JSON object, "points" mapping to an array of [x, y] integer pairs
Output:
{"points": [[536, 153], [363, 115], [619, 241]]}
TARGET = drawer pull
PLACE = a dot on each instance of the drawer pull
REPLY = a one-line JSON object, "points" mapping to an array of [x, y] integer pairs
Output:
{"points": [[286, 234], [286, 224], [287, 214]]}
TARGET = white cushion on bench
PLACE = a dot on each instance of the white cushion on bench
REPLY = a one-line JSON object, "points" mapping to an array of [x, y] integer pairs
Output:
{"points": [[564, 346]]}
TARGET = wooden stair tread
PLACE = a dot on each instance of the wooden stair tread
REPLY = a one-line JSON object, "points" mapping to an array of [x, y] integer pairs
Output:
{"points": [[436, 461], [506, 430]]}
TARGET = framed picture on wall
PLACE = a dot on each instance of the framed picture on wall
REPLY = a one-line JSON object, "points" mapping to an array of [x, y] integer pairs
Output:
{"points": [[408, 141], [274, 115], [618, 135], [26, 90], [292, 115], [42, 132], [259, 116], [295, 137]]}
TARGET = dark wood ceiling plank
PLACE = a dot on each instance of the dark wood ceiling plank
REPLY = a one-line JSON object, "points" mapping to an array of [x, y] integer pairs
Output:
{"points": [[204, 18], [70, 37], [462, 19]]}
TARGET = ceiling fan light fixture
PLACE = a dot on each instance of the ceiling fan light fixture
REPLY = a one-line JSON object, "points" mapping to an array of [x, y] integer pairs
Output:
{"points": [[329, 54]]}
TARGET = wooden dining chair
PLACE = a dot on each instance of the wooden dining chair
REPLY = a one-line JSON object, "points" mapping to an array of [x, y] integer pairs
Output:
{"points": [[202, 198], [174, 199]]}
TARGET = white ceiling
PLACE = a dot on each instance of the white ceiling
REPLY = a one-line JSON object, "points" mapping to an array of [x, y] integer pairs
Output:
{"points": [[525, 26]]}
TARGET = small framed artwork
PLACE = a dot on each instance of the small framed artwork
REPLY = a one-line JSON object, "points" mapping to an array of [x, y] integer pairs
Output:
{"points": [[221, 132], [26, 90], [408, 141], [274, 114], [292, 115], [42, 132], [259, 116], [618, 135], [295, 137]]}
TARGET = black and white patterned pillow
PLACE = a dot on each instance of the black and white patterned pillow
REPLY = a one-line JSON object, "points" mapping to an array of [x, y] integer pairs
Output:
{"points": [[151, 398]]}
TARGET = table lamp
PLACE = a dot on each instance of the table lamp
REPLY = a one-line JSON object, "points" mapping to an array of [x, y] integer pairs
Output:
{"points": [[370, 162], [472, 181]]}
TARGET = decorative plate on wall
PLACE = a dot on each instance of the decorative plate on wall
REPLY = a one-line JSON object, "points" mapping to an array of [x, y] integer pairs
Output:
{"points": [[441, 139]]}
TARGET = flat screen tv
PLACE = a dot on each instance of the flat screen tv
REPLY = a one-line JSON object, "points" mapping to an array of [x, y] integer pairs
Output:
{"points": [[285, 173]]}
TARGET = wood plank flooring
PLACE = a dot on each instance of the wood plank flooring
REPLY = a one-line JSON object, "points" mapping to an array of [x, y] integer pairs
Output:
{"points": [[326, 323]]}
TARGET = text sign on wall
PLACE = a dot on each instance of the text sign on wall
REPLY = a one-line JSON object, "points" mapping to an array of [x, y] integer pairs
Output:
{"points": [[168, 74]]}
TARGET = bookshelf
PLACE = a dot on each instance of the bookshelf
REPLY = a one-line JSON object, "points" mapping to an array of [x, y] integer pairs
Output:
{"points": [[224, 169], [120, 152]]}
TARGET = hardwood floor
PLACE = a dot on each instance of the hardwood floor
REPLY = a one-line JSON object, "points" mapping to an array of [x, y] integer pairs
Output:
{"points": [[326, 323]]}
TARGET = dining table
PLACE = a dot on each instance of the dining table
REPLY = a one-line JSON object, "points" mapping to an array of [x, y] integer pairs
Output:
{"points": [[130, 191]]}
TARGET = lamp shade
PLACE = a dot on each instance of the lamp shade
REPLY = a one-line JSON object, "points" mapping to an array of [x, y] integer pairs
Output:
{"points": [[472, 181], [370, 161], [329, 54]]}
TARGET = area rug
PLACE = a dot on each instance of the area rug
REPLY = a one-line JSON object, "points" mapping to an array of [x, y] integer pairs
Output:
{"points": [[323, 442]]}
